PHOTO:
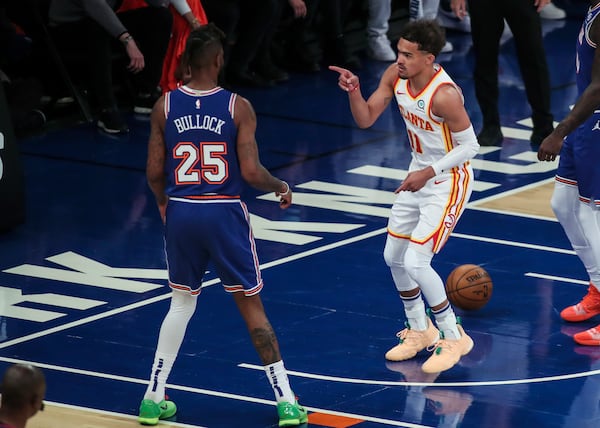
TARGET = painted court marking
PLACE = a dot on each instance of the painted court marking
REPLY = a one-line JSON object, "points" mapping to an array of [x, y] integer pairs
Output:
{"points": [[268, 265], [209, 392], [395, 383]]}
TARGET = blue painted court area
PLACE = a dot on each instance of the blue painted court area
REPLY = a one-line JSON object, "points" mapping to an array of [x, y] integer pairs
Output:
{"points": [[83, 281]]}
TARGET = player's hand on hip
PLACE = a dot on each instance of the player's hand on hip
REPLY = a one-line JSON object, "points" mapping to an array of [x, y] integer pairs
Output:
{"points": [[348, 81]]}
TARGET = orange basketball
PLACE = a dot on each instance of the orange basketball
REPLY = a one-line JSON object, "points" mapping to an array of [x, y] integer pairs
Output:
{"points": [[469, 287]]}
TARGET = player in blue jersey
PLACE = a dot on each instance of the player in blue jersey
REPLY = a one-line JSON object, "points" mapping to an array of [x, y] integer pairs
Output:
{"points": [[23, 389], [576, 197], [202, 151]]}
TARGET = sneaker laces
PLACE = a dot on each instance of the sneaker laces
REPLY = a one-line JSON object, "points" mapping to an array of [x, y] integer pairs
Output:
{"points": [[403, 334], [409, 333], [442, 343]]}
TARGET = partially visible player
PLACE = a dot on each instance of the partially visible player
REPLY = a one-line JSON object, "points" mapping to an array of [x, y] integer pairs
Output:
{"points": [[202, 151], [576, 197], [23, 389], [434, 194]]}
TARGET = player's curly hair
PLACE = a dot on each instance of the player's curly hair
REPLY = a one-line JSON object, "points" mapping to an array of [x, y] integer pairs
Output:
{"points": [[202, 44], [426, 33]]}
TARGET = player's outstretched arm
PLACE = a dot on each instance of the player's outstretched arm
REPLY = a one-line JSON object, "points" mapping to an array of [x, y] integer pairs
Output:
{"points": [[366, 112], [253, 172]]}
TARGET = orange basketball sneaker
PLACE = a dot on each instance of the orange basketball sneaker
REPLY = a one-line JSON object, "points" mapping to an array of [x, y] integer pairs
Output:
{"points": [[586, 309], [589, 337]]}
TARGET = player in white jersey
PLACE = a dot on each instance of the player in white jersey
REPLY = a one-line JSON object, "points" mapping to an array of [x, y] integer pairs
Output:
{"points": [[432, 197]]}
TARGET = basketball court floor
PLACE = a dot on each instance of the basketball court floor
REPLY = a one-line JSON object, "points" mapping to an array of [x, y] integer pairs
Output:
{"points": [[83, 290]]}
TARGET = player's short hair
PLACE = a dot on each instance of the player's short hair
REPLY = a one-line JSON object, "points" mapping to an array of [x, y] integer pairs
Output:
{"points": [[426, 33], [20, 385], [202, 44]]}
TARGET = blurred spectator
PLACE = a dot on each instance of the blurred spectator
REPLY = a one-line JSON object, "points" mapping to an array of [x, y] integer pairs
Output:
{"points": [[427, 9], [378, 44], [23, 389], [291, 45], [247, 25], [187, 15], [23, 91], [551, 11], [88, 33], [334, 14], [488, 19]]}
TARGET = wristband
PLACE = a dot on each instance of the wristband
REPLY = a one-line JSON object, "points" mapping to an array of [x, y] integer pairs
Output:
{"points": [[287, 192]]}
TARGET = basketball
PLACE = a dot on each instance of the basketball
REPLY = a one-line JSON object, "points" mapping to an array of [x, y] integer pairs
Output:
{"points": [[469, 287]]}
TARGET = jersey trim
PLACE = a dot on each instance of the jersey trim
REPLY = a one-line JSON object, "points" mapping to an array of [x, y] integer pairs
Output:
{"points": [[567, 181], [588, 25], [198, 92], [409, 91], [205, 198]]}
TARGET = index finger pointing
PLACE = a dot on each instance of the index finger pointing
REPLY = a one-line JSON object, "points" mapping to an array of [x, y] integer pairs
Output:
{"points": [[343, 71]]}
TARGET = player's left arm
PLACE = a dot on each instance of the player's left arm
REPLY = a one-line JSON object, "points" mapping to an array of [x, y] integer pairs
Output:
{"points": [[584, 107], [448, 104], [155, 163]]}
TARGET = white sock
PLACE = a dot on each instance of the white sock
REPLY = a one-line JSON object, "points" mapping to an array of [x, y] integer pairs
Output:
{"points": [[446, 322], [279, 382], [170, 338], [414, 308], [158, 378]]}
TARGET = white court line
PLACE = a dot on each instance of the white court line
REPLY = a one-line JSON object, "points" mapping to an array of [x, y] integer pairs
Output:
{"points": [[265, 266], [557, 278], [513, 243], [207, 392], [168, 295], [115, 414], [453, 384]]}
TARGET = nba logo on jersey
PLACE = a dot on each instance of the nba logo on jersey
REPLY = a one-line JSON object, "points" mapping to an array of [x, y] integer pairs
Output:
{"points": [[198, 104]]}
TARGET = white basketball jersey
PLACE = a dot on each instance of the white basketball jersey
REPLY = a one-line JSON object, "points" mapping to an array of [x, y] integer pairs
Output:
{"points": [[428, 135]]}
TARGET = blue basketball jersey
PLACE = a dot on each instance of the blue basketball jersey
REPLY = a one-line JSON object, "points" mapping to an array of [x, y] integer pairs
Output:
{"points": [[580, 152], [585, 50], [206, 220], [200, 138]]}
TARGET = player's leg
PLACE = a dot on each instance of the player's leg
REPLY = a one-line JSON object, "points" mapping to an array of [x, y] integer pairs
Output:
{"points": [[265, 342], [454, 341], [441, 206], [566, 207], [155, 406], [419, 332], [578, 227], [589, 216], [236, 261], [186, 260]]}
